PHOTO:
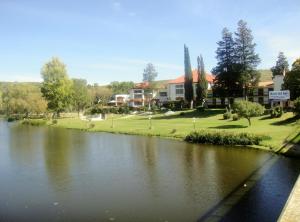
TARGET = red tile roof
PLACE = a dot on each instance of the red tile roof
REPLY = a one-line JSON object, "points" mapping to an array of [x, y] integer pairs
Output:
{"points": [[142, 85], [209, 77]]}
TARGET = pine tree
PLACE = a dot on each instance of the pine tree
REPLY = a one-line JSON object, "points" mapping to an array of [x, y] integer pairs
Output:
{"points": [[281, 66], [247, 59], [201, 89], [149, 73], [188, 78], [227, 78]]}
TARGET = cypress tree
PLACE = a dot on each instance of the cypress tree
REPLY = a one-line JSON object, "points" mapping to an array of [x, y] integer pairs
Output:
{"points": [[247, 59], [188, 78], [201, 89]]}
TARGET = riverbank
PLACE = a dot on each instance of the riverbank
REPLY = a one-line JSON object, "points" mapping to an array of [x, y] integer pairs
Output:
{"points": [[180, 124]]}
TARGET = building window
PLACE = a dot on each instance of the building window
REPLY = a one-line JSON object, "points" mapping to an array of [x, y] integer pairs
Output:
{"points": [[163, 94], [138, 91], [261, 100], [179, 89], [138, 103], [138, 96], [260, 92]]}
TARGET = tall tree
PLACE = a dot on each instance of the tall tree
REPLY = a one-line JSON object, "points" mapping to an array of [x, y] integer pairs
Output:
{"points": [[81, 97], [23, 99], [227, 78], [292, 80], [201, 89], [56, 87], [188, 78], [247, 59], [149, 73], [282, 65]]}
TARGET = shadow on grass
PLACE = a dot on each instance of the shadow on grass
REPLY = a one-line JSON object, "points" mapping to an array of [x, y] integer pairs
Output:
{"points": [[228, 127], [286, 121], [265, 117], [194, 113]]}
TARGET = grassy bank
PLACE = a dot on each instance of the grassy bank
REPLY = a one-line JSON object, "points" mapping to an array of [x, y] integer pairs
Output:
{"points": [[180, 124]]}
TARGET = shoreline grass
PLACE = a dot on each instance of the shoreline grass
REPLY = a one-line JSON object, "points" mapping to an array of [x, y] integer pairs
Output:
{"points": [[179, 125]]}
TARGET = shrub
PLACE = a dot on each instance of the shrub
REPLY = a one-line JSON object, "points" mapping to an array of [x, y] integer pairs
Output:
{"points": [[54, 121], [224, 138], [235, 117], [181, 113], [91, 125], [200, 108], [34, 122], [248, 109], [276, 112], [227, 115], [297, 106]]}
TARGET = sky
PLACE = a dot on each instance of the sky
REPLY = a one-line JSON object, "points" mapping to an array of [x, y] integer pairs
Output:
{"points": [[113, 40]]}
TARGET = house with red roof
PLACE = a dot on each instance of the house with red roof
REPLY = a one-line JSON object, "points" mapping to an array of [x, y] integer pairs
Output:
{"points": [[176, 86]]}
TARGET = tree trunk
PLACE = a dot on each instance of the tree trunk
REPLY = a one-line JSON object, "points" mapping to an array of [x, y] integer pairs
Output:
{"points": [[249, 121]]}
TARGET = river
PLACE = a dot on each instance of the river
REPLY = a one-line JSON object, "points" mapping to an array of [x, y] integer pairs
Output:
{"points": [[53, 174]]}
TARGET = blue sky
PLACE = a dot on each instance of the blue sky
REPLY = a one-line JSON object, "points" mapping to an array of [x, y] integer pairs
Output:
{"points": [[109, 40]]}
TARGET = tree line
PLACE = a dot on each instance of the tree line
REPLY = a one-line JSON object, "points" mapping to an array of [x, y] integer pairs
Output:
{"points": [[236, 69], [57, 93]]}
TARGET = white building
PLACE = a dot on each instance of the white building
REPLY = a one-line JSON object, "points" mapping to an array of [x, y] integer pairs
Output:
{"points": [[119, 99], [176, 86]]}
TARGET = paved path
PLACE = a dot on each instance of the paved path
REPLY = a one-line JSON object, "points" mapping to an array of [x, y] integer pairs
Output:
{"points": [[291, 211]]}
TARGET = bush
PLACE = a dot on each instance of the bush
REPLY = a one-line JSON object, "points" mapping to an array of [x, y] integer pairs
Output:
{"points": [[276, 112], [54, 121], [297, 106], [227, 115], [91, 125], [200, 108], [224, 138], [34, 122], [181, 113], [248, 109], [235, 117]]}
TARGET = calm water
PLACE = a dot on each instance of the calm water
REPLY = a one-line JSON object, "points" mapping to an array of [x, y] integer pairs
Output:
{"points": [[49, 174]]}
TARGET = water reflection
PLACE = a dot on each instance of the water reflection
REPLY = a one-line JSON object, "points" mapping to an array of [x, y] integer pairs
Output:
{"points": [[57, 148], [97, 176]]}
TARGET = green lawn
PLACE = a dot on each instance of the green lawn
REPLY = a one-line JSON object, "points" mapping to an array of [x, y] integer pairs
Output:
{"points": [[178, 126]]}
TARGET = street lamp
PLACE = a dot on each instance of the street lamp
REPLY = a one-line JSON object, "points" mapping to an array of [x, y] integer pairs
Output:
{"points": [[150, 122], [194, 123]]}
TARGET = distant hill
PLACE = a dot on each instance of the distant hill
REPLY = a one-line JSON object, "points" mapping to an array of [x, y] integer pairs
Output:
{"points": [[266, 75]]}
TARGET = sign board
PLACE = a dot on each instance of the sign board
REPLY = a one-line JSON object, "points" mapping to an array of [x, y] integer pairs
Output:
{"points": [[279, 95]]}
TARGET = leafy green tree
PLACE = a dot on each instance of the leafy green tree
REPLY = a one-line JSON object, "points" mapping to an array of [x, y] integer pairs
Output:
{"points": [[188, 78], [56, 87], [149, 73], [282, 65], [227, 81], [292, 80], [100, 94], [81, 97], [247, 58], [247, 109], [202, 85], [23, 99], [121, 87], [297, 106]]}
